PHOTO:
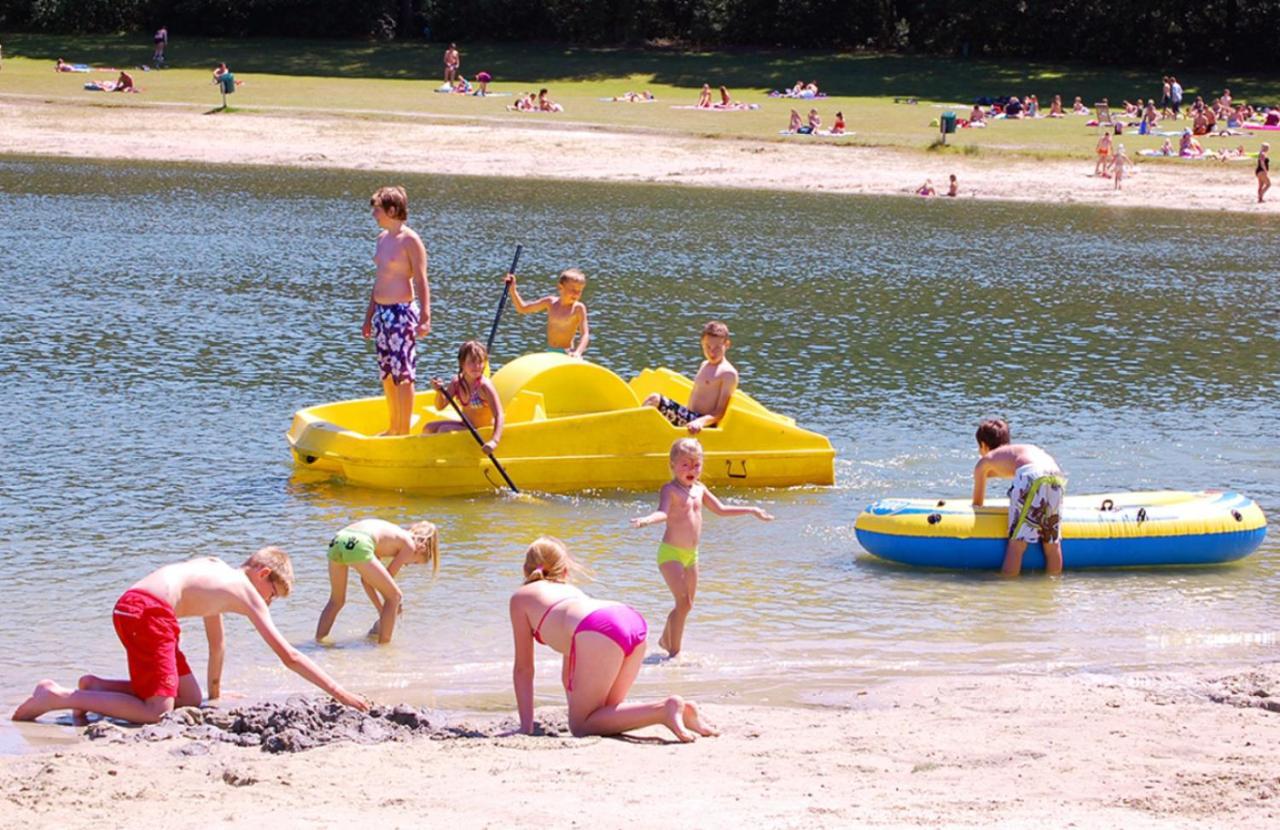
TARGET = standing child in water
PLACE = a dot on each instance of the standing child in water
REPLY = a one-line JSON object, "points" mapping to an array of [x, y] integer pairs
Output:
{"points": [[474, 394], [393, 317], [566, 314], [362, 546], [1035, 498], [680, 504]]}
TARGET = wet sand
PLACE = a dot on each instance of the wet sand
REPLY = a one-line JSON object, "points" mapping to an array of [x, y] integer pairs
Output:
{"points": [[1141, 751], [412, 144]]}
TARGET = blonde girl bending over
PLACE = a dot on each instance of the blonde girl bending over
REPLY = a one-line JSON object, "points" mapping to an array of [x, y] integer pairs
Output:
{"points": [[603, 645]]}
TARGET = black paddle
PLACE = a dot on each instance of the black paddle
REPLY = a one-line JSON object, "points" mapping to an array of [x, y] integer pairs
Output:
{"points": [[445, 391], [493, 331]]}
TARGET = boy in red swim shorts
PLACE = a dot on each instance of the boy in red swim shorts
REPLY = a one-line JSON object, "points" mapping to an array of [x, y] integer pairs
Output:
{"points": [[146, 620]]}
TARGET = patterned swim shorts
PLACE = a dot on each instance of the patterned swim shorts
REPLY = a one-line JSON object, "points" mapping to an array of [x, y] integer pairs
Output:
{"points": [[1035, 504], [677, 414], [394, 333]]}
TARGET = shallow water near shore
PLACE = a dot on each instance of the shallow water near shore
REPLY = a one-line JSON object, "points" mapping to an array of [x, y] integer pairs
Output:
{"points": [[159, 325]]}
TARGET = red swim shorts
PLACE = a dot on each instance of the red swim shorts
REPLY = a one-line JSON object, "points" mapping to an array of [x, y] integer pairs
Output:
{"points": [[149, 631]]}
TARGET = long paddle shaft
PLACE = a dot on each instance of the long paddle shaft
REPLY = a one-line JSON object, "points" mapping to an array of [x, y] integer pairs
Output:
{"points": [[506, 289], [475, 434]]}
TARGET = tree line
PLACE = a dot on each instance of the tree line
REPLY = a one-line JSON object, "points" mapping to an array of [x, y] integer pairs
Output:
{"points": [[1225, 34]]}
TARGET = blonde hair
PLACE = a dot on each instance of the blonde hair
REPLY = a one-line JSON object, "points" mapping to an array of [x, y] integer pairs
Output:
{"points": [[572, 275], [393, 200], [278, 562], [685, 447], [548, 558], [426, 544], [715, 328]]}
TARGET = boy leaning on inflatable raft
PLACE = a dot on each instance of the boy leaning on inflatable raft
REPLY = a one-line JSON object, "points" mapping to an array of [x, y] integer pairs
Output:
{"points": [[1035, 498]]}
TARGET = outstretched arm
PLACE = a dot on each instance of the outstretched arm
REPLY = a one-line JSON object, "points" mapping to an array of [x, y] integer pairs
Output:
{"points": [[721, 509], [295, 660], [217, 651], [659, 515], [522, 669]]}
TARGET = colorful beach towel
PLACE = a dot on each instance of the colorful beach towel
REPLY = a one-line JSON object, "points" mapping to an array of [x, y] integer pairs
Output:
{"points": [[717, 107]]}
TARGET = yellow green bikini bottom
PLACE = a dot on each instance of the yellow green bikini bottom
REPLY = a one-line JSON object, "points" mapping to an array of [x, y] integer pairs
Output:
{"points": [[687, 557]]}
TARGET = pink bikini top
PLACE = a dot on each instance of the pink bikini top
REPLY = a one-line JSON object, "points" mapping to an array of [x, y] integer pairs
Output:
{"points": [[537, 632]]}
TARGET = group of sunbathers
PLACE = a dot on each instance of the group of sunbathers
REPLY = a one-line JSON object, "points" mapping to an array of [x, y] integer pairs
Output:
{"points": [[726, 100], [535, 103], [813, 125], [800, 90]]}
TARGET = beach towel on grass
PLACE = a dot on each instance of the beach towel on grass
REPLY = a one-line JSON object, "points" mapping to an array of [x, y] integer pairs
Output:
{"points": [[827, 133], [717, 107]]}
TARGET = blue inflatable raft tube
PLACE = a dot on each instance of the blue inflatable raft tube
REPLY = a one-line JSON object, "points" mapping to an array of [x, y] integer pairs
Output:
{"points": [[1111, 530]]}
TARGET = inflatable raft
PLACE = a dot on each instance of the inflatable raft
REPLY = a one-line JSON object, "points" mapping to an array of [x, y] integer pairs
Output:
{"points": [[1109, 530], [570, 425]]}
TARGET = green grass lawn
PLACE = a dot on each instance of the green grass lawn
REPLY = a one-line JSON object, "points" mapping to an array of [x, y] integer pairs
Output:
{"points": [[397, 80]]}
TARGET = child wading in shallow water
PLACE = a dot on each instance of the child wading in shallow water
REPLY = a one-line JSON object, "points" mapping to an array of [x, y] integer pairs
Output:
{"points": [[1035, 497], [566, 314], [680, 504], [362, 546]]}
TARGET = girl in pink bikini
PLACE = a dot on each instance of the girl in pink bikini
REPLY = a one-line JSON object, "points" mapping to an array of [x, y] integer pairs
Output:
{"points": [[604, 644]]}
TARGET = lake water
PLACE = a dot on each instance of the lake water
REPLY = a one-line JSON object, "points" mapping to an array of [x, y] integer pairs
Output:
{"points": [[159, 325]]}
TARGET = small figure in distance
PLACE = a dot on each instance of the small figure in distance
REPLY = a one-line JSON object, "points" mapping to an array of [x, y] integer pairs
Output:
{"points": [[483, 79], [1263, 170], [603, 644], [680, 503], [838, 127], [1078, 107], [125, 83], [63, 66], [1055, 108], [815, 122], [362, 546], [704, 97], [713, 385], [725, 100], [1035, 499], [566, 313], [796, 124], [146, 621], [452, 60], [927, 189], [1104, 155], [953, 190], [474, 394], [1119, 165], [399, 309], [161, 40]]}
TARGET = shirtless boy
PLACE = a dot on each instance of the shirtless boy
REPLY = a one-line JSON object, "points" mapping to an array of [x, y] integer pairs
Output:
{"points": [[713, 386], [680, 503], [146, 620], [393, 317], [566, 314], [452, 60], [1035, 499], [363, 545]]}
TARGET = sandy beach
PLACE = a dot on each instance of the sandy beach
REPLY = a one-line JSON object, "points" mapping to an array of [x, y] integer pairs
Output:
{"points": [[362, 140], [1139, 751]]}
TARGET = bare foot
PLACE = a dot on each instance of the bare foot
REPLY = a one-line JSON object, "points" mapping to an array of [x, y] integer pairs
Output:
{"points": [[662, 642], [693, 720], [674, 708], [43, 699]]}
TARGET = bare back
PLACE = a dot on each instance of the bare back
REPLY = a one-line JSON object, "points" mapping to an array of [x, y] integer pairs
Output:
{"points": [[388, 539], [201, 587], [553, 610]]}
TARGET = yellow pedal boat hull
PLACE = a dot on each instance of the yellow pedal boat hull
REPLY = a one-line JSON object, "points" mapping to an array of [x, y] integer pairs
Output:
{"points": [[571, 425]]}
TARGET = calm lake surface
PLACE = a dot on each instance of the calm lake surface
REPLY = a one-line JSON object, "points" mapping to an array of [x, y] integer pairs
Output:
{"points": [[159, 325]]}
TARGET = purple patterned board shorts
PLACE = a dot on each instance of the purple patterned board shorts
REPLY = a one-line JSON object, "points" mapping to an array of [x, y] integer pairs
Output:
{"points": [[394, 332], [678, 414]]}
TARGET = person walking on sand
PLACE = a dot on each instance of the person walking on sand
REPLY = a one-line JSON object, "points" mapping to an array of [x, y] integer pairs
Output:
{"points": [[399, 310], [1104, 155], [1119, 165], [1263, 171], [146, 621], [680, 503], [603, 644]]}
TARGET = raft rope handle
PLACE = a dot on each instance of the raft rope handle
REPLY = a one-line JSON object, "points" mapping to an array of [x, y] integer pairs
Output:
{"points": [[1235, 514], [934, 518], [1142, 515], [942, 502], [1107, 504]]}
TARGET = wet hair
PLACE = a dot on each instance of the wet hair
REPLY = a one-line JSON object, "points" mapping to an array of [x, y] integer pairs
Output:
{"points": [[572, 275], [685, 447], [548, 558], [393, 200], [279, 564], [426, 544], [469, 349], [993, 433], [715, 328]]}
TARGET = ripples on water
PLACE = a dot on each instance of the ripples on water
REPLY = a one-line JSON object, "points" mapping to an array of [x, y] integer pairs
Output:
{"points": [[159, 325]]}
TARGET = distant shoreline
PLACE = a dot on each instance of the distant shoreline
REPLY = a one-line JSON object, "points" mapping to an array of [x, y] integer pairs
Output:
{"points": [[558, 151]]}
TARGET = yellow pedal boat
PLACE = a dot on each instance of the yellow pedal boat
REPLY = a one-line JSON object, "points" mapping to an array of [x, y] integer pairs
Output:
{"points": [[570, 425]]}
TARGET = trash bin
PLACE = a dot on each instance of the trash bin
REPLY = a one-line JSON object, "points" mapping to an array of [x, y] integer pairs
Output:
{"points": [[948, 122], [228, 82]]}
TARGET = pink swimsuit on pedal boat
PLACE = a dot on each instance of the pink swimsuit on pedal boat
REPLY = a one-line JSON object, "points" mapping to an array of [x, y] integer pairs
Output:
{"points": [[620, 623]]}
